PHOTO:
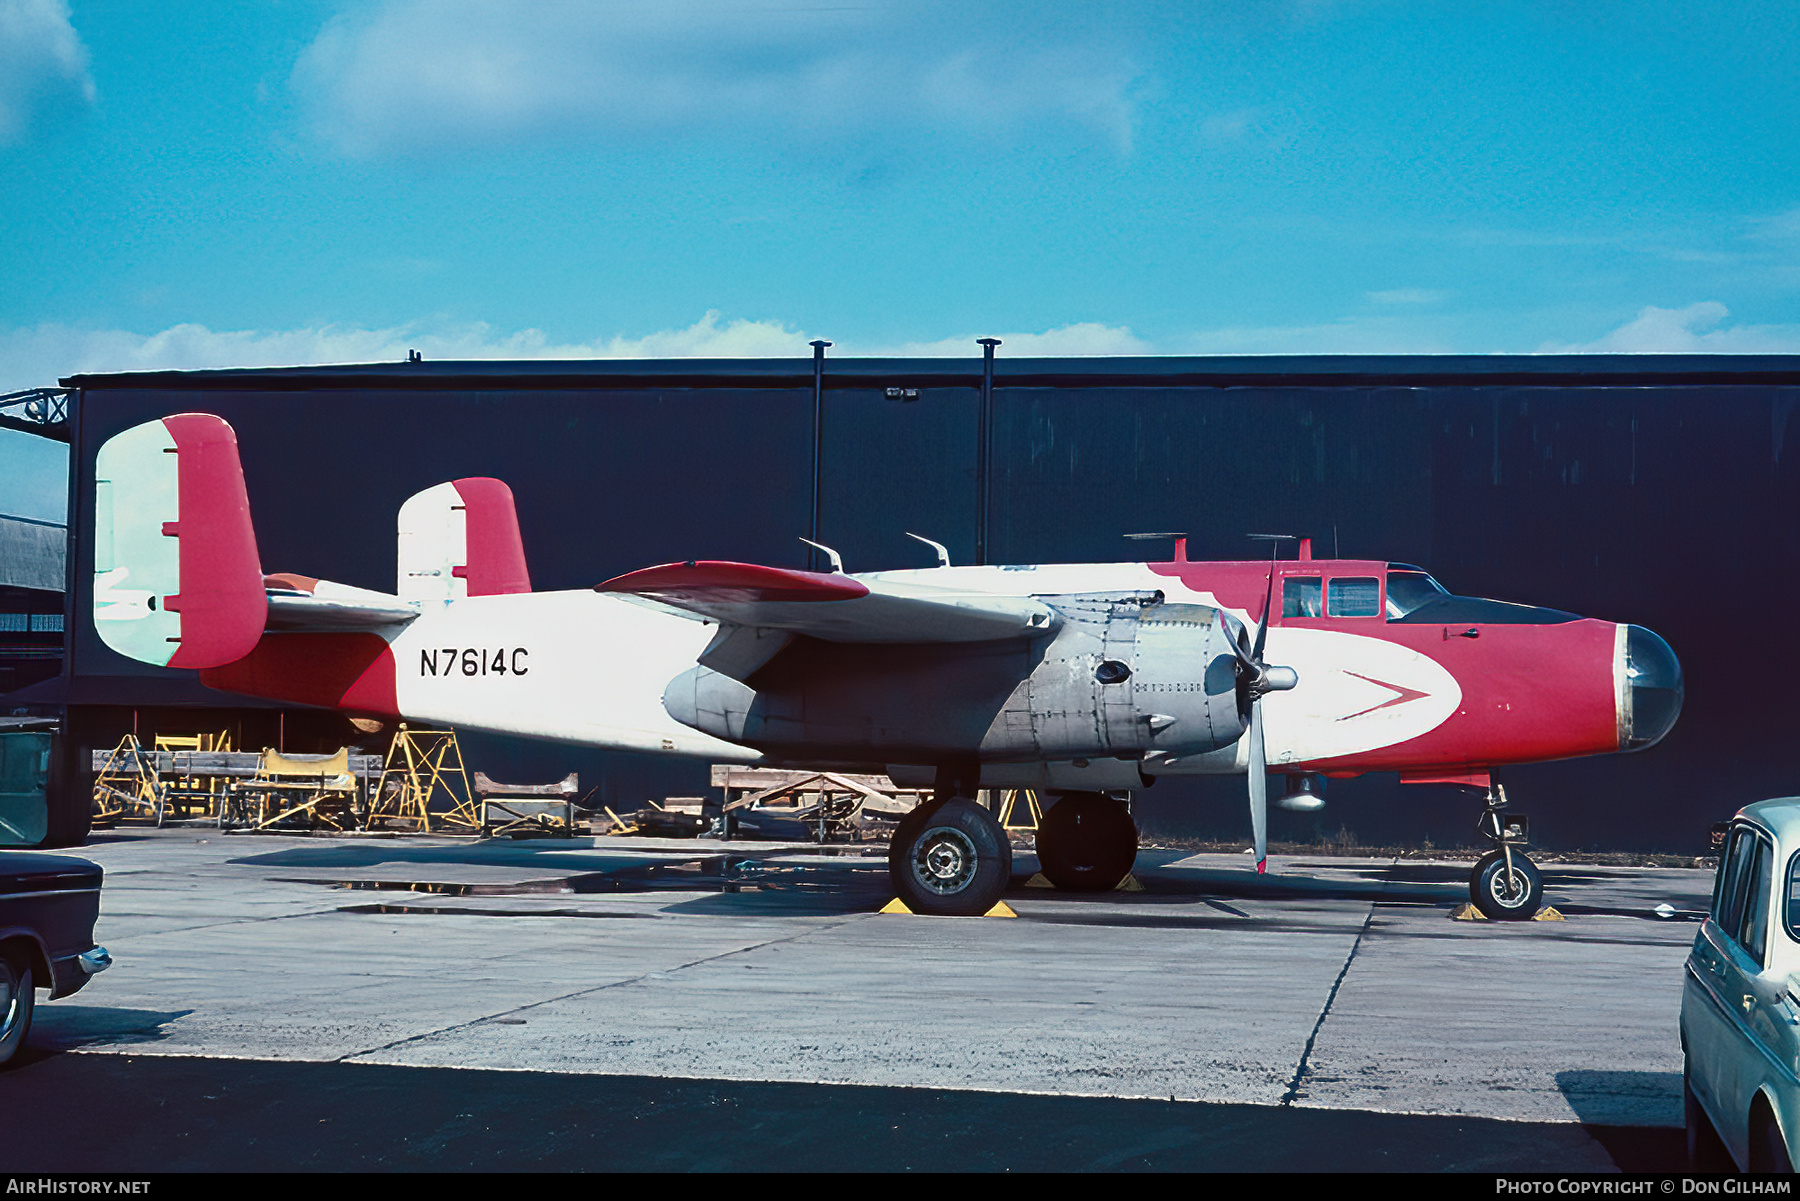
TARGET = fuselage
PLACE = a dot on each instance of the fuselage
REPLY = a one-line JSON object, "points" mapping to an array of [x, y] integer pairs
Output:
{"points": [[1394, 673], [1392, 684]]}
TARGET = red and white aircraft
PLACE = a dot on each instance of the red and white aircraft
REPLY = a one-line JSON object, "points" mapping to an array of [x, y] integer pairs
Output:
{"points": [[1085, 679]]}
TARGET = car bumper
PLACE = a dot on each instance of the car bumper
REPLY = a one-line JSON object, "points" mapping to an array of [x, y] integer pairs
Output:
{"points": [[70, 973]]}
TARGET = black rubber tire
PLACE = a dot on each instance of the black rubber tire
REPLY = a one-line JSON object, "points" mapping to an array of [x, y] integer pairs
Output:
{"points": [[1087, 842], [950, 859], [1488, 892], [1768, 1153], [16, 1006], [1705, 1149]]}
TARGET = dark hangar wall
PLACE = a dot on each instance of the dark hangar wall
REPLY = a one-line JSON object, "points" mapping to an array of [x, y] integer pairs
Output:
{"points": [[1656, 490]]}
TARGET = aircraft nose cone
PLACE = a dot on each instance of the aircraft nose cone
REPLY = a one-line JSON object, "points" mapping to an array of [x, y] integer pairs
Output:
{"points": [[1653, 689]]}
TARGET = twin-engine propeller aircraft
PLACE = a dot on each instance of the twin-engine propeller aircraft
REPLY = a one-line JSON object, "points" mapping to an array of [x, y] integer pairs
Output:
{"points": [[1084, 679]]}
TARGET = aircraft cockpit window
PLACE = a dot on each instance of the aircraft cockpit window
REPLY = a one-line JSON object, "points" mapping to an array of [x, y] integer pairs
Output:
{"points": [[1354, 596], [1301, 597], [1407, 590]]}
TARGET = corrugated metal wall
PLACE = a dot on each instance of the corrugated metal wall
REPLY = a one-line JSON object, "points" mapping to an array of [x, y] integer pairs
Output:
{"points": [[31, 554], [1668, 505]]}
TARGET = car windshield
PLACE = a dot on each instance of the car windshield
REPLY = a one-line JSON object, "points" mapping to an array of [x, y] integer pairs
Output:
{"points": [[1407, 589]]}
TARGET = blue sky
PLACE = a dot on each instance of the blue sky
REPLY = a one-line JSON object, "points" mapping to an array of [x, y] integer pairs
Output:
{"points": [[327, 180]]}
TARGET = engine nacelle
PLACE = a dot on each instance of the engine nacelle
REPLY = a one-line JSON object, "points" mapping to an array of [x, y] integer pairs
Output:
{"points": [[1119, 676]]}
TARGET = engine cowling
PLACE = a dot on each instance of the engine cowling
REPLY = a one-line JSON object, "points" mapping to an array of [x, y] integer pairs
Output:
{"points": [[1119, 676]]}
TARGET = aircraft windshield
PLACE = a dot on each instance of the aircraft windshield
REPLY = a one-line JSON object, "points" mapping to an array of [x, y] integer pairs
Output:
{"points": [[1408, 589]]}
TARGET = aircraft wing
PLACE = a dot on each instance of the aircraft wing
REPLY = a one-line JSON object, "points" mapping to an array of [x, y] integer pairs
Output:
{"points": [[833, 607]]}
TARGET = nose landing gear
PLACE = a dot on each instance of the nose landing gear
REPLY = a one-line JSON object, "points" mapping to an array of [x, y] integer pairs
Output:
{"points": [[1505, 885]]}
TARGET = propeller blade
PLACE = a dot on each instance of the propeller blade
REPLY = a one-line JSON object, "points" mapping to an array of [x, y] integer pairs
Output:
{"points": [[1257, 772], [1237, 646], [1258, 678], [1262, 629]]}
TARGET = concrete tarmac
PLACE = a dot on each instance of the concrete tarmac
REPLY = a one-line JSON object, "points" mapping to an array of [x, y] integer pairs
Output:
{"points": [[1325, 1016]]}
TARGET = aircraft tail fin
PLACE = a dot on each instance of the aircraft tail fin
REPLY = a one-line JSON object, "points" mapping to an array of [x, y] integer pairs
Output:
{"points": [[177, 578], [461, 539]]}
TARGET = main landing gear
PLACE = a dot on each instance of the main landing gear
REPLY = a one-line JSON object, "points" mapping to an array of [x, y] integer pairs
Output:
{"points": [[1505, 886], [950, 857], [1087, 842]]}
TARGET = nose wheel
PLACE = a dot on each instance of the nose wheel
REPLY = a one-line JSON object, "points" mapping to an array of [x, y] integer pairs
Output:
{"points": [[1505, 885]]}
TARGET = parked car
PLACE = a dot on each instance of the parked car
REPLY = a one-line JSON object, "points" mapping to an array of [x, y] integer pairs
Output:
{"points": [[48, 904], [1740, 1003]]}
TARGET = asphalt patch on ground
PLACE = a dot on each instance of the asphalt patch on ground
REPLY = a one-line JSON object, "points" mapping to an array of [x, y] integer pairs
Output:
{"points": [[148, 1113], [476, 911]]}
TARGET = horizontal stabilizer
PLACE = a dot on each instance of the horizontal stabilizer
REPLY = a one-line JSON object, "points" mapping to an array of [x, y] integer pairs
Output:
{"points": [[300, 604], [176, 577], [835, 607]]}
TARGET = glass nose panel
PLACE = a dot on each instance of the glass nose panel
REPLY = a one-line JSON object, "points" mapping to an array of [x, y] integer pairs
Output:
{"points": [[1654, 676]]}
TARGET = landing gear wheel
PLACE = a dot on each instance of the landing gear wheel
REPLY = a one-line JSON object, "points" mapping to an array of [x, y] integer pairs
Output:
{"points": [[1516, 898], [1705, 1149], [18, 997], [908, 827], [950, 859], [1087, 842]]}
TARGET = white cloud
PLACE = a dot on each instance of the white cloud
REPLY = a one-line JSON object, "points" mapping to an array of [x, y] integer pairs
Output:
{"points": [[1372, 335], [1407, 296], [705, 339], [39, 356], [1687, 331], [1781, 227], [1083, 338], [427, 74], [1229, 127], [42, 62]]}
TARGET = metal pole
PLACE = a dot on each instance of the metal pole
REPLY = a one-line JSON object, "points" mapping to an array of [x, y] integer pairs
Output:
{"points": [[75, 512], [818, 463], [984, 450]]}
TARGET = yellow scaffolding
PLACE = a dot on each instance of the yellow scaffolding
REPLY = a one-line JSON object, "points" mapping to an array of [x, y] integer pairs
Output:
{"points": [[1009, 803], [421, 766], [127, 786], [186, 793], [310, 791]]}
